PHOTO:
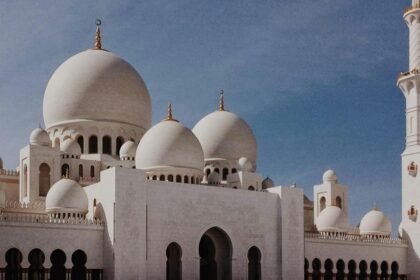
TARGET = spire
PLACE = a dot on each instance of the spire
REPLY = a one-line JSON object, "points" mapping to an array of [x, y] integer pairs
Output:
{"points": [[221, 101], [98, 44], [375, 207], [169, 116]]}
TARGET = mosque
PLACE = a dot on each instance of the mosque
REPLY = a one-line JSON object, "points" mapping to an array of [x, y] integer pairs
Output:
{"points": [[100, 193]]}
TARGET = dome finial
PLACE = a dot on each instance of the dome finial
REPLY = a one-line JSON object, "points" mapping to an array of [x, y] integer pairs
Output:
{"points": [[221, 101], [375, 206], [169, 116], [98, 44]]}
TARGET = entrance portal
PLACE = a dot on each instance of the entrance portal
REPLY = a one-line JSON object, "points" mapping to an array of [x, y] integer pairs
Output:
{"points": [[215, 255]]}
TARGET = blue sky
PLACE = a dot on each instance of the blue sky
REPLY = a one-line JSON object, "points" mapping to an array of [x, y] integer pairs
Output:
{"points": [[315, 79]]}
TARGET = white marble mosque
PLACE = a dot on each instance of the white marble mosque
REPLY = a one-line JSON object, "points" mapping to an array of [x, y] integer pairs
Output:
{"points": [[101, 193]]}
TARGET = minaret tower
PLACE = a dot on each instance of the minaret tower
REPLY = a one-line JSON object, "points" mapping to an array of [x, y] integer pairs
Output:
{"points": [[409, 83]]}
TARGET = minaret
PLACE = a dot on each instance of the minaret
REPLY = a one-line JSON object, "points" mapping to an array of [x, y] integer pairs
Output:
{"points": [[409, 83]]}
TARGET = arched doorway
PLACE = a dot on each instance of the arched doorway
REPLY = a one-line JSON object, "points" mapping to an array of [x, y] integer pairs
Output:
{"points": [[58, 260], [78, 271], [173, 262], [215, 251], [254, 264], [106, 145], [13, 269], [36, 268]]}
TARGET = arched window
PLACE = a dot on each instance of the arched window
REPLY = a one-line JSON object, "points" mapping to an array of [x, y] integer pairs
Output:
{"points": [[384, 270], [322, 203], [80, 170], [340, 270], [25, 181], [192, 180], [254, 264], [207, 172], [92, 171], [93, 144], [154, 177], [373, 270], [186, 179], [44, 179], [234, 170], [170, 178], [316, 269], [352, 270], [251, 188], [119, 143], [328, 265], [225, 173], [58, 270], [78, 271], [13, 268], [106, 145], [178, 179], [394, 271], [65, 170], [81, 142], [36, 268], [162, 178], [363, 270], [173, 262], [338, 202], [217, 170], [57, 143]]}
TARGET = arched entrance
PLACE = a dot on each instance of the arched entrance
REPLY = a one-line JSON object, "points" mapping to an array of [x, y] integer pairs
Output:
{"points": [[215, 251]]}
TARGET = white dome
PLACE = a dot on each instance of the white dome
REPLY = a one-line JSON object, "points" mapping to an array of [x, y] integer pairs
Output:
{"points": [[71, 147], [128, 149], [223, 134], [96, 85], [375, 223], [169, 144], [330, 176], [66, 196], [39, 137], [332, 219], [245, 164]]}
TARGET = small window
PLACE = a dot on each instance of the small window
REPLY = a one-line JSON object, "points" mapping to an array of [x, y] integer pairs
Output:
{"points": [[92, 171]]}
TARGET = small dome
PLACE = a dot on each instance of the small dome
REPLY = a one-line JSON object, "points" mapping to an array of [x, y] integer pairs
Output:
{"points": [[96, 85], [169, 144], [267, 183], [224, 135], [39, 137], [332, 219], [214, 178], [66, 196], [128, 149], [71, 147], [245, 164], [375, 223], [330, 176]]}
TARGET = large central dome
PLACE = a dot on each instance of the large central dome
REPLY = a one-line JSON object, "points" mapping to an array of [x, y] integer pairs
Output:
{"points": [[96, 85]]}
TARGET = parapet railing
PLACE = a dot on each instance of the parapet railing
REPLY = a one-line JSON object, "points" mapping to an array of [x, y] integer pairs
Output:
{"points": [[415, 6], [45, 219], [13, 204], [354, 238], [9, 172], [46, 273], [88, 180]]}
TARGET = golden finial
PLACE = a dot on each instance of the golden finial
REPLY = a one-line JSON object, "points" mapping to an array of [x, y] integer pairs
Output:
{"points": [[221, 101], [98, 44], [169, 116], [375, 207]]}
